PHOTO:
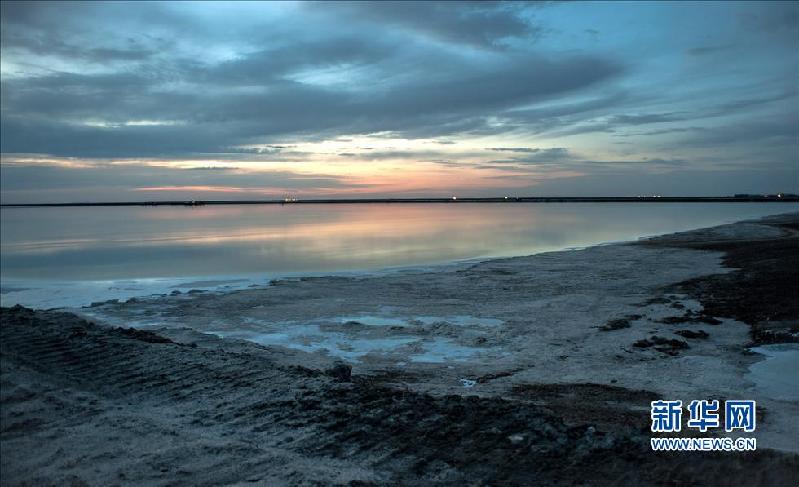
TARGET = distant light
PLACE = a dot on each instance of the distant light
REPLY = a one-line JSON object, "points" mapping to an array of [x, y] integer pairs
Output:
{"points": [[506, 197], [454, 197]]}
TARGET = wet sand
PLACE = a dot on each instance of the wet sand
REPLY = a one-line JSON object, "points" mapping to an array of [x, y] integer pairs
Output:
{"points": [[525, 370]]}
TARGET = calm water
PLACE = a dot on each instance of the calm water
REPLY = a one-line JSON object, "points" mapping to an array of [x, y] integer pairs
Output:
{"points": [[142, 242], [135, 243]]}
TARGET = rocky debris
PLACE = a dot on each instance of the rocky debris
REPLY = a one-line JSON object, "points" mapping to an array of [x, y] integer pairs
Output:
{"points": [[616, 324], [691, 317], [776, 332], [205, 407], [670, 346], [656, 300], [692, 334], [619, 323]]}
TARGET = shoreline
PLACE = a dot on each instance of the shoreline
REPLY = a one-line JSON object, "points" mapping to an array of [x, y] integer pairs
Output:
{"points": [[82, 293], [506, 371]]}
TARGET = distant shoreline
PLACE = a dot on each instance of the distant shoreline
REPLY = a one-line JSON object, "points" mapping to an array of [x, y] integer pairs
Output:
{"points": [[504, 199]]}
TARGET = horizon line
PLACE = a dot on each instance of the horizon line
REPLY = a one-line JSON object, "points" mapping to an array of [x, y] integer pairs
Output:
{"points": [[453, 199]]}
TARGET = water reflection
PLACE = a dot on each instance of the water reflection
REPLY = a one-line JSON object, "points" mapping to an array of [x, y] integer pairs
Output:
{"points": [[138, 242]]}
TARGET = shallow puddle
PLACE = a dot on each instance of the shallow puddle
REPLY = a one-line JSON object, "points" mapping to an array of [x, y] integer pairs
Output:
{"points": [[313, 338], [439, 350], [778, 375]]}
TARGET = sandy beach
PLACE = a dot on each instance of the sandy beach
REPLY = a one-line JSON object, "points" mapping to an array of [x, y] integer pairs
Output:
{"points": [[523, 370]]}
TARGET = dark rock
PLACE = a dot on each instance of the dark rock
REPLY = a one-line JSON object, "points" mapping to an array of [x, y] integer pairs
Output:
{"points": [[691, 317], [692, 334], [661, 344], [620, 323], [708, 319], [616, 324], [341, 372]]}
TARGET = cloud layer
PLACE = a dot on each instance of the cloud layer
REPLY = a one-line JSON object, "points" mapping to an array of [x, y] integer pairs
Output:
{"points": [[542, 88]]}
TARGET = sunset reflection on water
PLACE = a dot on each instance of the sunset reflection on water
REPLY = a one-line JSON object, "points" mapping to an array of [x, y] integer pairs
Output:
{"points": [[138, 242]]}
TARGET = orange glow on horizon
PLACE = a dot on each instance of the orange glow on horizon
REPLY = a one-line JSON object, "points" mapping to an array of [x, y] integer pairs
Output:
{"points": [[365, 166]]}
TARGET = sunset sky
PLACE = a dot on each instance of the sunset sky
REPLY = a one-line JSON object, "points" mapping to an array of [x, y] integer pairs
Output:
{"points": [[158, 101]]}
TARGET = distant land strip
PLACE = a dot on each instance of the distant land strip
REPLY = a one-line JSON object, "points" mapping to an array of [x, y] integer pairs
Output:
{"points": [[505, 199]]}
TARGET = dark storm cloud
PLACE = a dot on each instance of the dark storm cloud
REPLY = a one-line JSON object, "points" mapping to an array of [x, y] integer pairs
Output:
{"points": [[547, 155], [513, 149], [49, 44], [563, 157], [212, 168], [272, 64], [654, 162], [68, 30], [535, 155], [20, 136], [551, 117], [781, 18], [128, 176], [44, 114], [783, 131], [740, 105], [585, 124], [643, 119], [483, 24]]}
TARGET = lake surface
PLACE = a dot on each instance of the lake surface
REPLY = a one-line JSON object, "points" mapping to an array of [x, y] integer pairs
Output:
{"points": [[237, 245]]}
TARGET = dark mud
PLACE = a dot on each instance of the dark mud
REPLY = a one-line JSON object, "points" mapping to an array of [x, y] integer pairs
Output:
{"points": [[264, 422], [763, 288]]}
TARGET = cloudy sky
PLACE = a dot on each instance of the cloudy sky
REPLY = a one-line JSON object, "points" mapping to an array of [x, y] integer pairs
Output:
{"points": [[153, 101]]}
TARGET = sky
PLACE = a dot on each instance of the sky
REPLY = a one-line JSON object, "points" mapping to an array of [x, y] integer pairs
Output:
{"points": [[206, 100]]}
